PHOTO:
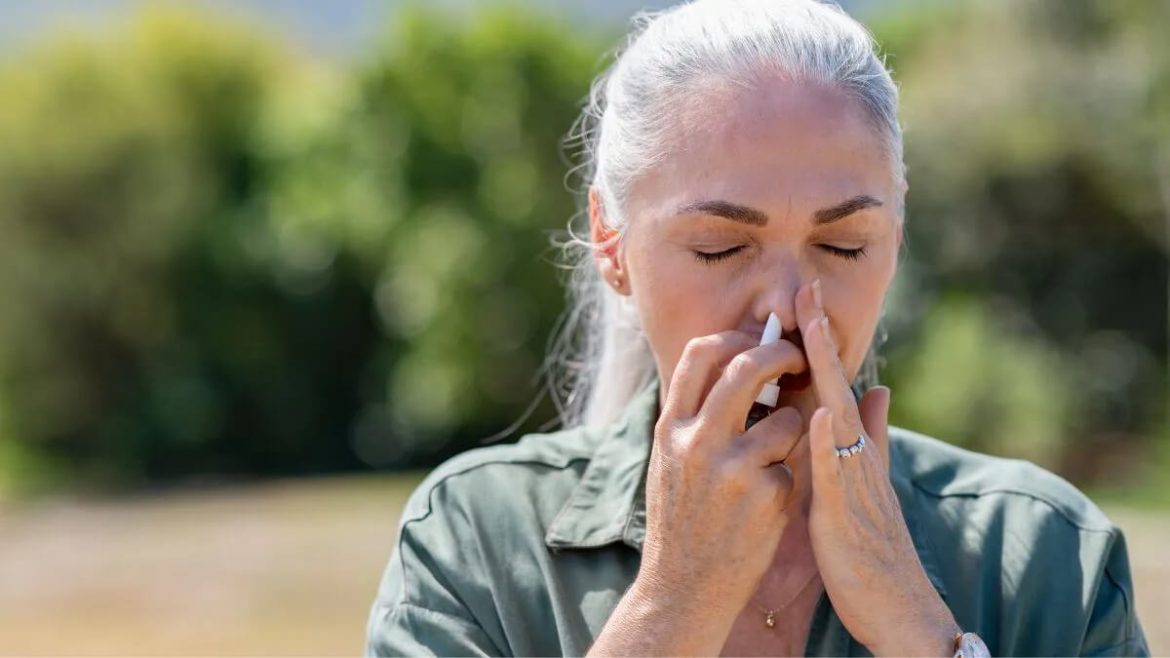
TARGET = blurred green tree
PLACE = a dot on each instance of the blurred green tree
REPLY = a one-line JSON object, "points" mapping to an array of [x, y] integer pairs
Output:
{"points": [[443, 175], [1034, 136], [221, 257], [148, 328]]}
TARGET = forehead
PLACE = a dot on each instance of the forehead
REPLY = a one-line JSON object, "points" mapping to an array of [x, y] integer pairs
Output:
{"points": [[777, 144]]}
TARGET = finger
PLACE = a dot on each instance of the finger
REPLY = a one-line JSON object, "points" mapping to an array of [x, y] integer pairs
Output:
{"points": [[875, 412], [785, 483], [807, 308], [736, 389], [829, 380], [771, 440], [823, 449], [701, 363]]}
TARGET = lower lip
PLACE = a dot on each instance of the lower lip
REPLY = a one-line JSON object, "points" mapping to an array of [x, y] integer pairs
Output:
{"points": [[797, 382]]}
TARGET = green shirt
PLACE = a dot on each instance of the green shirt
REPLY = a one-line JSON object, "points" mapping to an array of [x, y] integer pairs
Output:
{"points": [[526, 548]]}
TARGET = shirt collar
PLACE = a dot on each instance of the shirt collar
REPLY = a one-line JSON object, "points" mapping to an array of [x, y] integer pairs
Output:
{"points": [[609, 503]]}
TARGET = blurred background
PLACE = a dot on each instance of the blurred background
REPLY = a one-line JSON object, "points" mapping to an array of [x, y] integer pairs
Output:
{"points": [[264, 263]]}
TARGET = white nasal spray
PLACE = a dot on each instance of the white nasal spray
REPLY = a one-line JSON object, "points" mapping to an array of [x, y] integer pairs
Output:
{"points": [[770, 394]]}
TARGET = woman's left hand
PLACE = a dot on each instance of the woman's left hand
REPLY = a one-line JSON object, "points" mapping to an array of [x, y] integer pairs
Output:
{"points": [[859, 537]]}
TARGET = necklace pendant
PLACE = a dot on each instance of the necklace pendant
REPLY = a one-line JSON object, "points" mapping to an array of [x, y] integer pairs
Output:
{"points": [[770, 620]]}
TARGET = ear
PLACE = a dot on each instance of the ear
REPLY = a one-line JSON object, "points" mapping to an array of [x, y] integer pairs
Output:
{"points": [[606, 243]]}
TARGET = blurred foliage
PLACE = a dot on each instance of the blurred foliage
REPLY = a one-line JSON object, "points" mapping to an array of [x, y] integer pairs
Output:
{"points": [[1033, 322], [148, 327], [445, 177], [984, 387], [221, 257]]}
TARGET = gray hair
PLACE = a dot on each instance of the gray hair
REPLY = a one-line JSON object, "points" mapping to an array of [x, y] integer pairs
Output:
{"points": [[598, 356]]}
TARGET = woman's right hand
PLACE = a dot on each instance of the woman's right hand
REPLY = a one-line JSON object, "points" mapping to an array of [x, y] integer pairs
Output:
{"points": [[716, 495]]}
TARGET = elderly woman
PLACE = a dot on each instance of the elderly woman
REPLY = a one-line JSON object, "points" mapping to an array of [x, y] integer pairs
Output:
{"points": [[745, 161]]}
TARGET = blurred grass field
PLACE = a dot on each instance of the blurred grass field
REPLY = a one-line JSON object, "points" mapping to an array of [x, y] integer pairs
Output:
{"points": [[282, 568], [288, 567]]}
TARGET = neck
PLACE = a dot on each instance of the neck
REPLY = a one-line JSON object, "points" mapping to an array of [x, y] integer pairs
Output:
{"points": [[793, 565]]}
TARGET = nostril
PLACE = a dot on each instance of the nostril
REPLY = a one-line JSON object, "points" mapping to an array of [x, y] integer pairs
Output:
{"points": [[795, 338]]}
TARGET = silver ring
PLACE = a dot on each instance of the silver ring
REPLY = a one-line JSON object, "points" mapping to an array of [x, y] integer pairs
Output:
{"points": [[853, 449]]}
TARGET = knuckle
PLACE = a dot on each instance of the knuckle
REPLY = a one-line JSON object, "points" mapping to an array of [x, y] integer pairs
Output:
{"points": [[782, 476], [701, 347], [714, 347], [787, 420], [784, 357], [700, 344], [787, 349], [732, 477], [701, 427], [744, 365], [665, 428], [780, 486], [689, 443], [671, 433], [694, 350]]}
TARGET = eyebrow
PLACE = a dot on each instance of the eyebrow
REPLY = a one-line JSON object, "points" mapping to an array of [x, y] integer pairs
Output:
{"points": [[747, 215]]}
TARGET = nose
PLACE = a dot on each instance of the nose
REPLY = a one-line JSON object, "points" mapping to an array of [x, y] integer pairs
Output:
{"points": [[778, 295]]}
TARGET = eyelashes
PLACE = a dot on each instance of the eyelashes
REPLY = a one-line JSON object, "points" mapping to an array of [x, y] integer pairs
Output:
{"points": [[704, 257], [851, 254], [709, 258]]}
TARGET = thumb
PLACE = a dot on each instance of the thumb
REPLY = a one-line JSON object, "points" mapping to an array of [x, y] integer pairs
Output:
{"points": [[874, 408]]}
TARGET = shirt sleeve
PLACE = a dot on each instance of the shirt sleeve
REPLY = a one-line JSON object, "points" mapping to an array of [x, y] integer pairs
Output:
{"points": [[405, 629], [1113, 628], [420, 608]]}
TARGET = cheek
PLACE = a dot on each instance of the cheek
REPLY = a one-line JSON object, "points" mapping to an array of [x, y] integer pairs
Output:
{"points": [[677, 300], [854, 304]]}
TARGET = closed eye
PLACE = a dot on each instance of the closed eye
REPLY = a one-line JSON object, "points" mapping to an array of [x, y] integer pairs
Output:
{"points": [[851, 254], [714, 257], [705, 257]]}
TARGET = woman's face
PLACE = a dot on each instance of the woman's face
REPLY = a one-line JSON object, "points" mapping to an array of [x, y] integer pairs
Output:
{"points": [[764, 190]]}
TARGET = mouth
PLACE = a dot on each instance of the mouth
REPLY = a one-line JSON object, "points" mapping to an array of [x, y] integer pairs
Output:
{"points": [[794, 383]]}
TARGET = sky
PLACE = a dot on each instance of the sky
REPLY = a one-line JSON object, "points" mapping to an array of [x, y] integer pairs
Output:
{"points": [[327, 27]]}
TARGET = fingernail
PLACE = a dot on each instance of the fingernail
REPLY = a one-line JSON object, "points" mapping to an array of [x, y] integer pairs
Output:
{"points": [[825, 327], [816, 287]]}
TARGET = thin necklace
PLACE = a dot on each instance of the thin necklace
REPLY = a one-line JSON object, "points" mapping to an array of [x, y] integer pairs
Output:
{"points": [[770, 614]]}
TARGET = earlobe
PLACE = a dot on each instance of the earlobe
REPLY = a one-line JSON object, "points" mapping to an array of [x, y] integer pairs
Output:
{"points": [[614, 274]]}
